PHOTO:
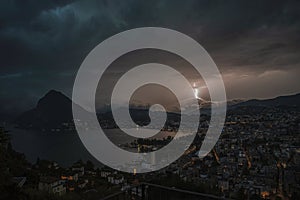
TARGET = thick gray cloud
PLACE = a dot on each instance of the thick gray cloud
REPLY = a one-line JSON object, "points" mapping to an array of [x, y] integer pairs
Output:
{"points": [[44, 42]]}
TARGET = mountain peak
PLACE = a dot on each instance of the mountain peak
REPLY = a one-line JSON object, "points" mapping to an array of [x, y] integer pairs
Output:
{"points": [[53, 109], [54, 98], [53, 92]]}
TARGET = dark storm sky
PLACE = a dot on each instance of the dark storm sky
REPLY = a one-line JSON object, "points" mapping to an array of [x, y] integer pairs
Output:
{"points": [[255, 44]]}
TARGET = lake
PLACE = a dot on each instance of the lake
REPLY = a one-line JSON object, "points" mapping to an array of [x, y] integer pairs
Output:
{"points": [[65, 148]]}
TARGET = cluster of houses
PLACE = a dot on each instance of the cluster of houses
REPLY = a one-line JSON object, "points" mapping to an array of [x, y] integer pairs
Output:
{"points": [[76, 178]]}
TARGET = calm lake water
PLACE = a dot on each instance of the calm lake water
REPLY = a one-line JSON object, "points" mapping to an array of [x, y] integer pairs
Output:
{"points": [[63, 147]]}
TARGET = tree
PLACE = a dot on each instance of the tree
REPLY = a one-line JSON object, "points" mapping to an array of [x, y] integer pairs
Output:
{"points": [[89, 165], [4, 138]]}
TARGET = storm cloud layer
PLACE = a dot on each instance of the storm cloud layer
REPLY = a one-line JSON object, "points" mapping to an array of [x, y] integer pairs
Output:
{"points": [[256, 44]]}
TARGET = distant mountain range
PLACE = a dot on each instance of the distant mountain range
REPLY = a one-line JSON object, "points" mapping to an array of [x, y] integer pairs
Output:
{"points": [[55, 109], [291, 100]]}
